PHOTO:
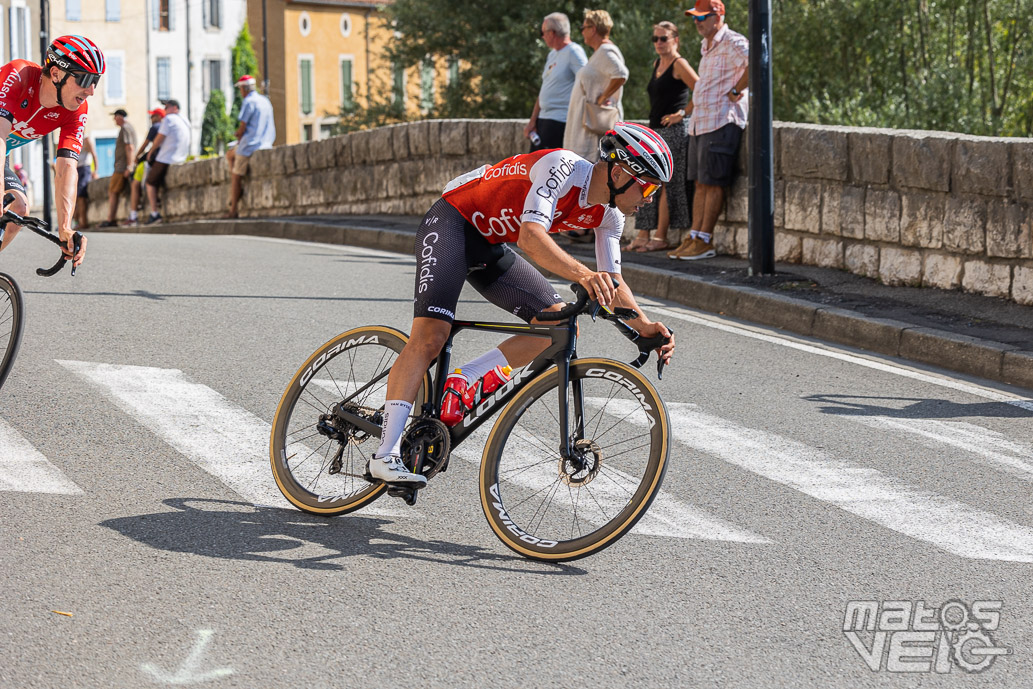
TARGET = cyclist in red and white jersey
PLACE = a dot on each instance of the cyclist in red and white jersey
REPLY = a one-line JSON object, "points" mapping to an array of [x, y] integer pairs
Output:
{"points": [[523, 200], [35, 101]]}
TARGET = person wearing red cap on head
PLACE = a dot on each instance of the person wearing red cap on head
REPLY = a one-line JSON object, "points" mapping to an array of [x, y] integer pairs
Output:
{"points": [[257, 131], [720, 107], [142, 166]]}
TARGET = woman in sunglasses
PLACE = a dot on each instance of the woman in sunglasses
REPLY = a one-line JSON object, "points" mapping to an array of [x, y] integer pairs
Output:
{"points": [[670, 87], [35, 101]]}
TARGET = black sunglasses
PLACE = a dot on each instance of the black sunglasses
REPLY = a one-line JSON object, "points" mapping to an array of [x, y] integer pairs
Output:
{"points": [[660, 39], [85, 79]]}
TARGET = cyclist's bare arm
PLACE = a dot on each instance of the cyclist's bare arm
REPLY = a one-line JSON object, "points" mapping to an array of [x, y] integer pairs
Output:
{"points": [[540, 248], [65, 181]]}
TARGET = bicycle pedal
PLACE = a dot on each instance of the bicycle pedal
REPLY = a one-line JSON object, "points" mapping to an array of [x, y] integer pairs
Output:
{"points": [[405, 491]]}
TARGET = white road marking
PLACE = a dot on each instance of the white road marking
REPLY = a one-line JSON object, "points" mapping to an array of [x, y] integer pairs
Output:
{"points": [[190, 671], [23, 468], [946, 523], [990, 446], [942, 381], [224, 439]]}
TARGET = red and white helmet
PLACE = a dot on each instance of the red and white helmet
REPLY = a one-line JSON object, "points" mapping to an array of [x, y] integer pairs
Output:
{"points": [[639, 149], [76, 54]]}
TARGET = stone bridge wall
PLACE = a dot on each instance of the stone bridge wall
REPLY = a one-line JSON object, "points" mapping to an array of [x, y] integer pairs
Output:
{"points": [[905, 207]]}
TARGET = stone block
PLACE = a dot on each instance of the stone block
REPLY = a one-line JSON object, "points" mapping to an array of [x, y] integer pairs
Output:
{"points": [[342, 150], [724, 239], [964, 226], [942, 270], [991, 279], [851, 212], [780, 203], [869, 157], [453, 138], [1008, 229], [900, 266], [419, 141], [360, 145], [1022, 169], [1022, 285], [178, 175], [922, 160], [825, 253], [1017, 368], [981, 166], [803, 206], [277, 166], [921, 219], [380, 146], [862, 259], [788, 248], [400, 141], [737, 203], [321, 154], [776, 150], [290, 159], [812, 152], [830, 198], [483, 142], [882, 215]]}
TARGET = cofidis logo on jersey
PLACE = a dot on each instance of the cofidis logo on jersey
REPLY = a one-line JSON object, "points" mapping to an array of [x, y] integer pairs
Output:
{"points": [[507, 170], [557, 175]]}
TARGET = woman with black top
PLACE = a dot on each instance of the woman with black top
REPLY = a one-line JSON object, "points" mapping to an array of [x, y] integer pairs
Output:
{"points": [[669, 89]]}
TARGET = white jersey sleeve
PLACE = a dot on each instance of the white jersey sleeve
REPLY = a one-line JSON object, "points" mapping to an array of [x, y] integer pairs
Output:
{"points": [[608, 241], [552, 177]]}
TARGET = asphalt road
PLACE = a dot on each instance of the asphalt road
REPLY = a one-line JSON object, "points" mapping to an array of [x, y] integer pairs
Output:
{"points": [[132, 458]]}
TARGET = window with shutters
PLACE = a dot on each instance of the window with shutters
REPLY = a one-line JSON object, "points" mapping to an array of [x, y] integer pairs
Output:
{"points": [[212, 13], [305, 84], [397, 85], [347, 85], [426, 85], [112, 10], [164, 15], [212, 77], [114, 77], [164, 78], [73, 10], [20, 46]]}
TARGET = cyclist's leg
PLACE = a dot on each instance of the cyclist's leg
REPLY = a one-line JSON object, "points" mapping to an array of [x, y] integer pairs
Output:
{"points": [[20, 205], [515, 285], [440, 274]]}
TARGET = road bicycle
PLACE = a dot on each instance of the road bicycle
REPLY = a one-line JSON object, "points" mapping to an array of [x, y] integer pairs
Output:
{"points": [[12, 305], [574, 460]]}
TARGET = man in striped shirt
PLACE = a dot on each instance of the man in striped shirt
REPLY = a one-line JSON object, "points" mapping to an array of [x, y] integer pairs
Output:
{"points": [[720, 107]]}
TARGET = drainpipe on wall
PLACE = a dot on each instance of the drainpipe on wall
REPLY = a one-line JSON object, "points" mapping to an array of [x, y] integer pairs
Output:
{"points": [[265, 54], [190, 66], [368, 70]]}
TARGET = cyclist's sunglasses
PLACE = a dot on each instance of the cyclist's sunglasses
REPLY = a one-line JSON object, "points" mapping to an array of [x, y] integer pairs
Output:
{"points": [[704, 17], [648, 188], [85, 79]]}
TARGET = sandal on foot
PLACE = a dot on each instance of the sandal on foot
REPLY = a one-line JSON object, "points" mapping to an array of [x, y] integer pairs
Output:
{"points": [[654, 245]]}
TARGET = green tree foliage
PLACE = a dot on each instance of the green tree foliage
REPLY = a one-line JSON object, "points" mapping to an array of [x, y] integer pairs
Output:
{"points": [[244, 62], [216, 126], [954, 65]]}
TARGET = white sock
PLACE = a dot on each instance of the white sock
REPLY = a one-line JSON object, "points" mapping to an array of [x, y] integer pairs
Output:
{"points": [[476, 369], [396, 414], [132, 215], [694, 234], [705, 236]]}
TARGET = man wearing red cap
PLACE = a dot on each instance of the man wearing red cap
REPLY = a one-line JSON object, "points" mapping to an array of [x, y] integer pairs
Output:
{"points": [[720, 107], [142, 166], [256, 132]]}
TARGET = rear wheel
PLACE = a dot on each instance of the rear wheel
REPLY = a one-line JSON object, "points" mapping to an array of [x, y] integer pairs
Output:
{"points": [[318, 457], [11, 323], [547, 507]]}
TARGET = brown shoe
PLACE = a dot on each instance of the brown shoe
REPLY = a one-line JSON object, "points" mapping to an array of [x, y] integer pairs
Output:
{"points": [[687, 245], [699, 250]]}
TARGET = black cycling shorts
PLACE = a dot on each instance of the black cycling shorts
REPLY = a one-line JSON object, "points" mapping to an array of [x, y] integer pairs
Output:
{"points": [[11, 180], [450, 251]]}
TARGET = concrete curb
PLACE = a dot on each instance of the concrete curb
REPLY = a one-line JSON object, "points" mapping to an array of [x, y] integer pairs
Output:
{"points": [[983, 358]]}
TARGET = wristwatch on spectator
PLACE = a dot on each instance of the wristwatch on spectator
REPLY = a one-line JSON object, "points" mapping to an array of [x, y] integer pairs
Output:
{"points": [[735, 92], [682, 112]]}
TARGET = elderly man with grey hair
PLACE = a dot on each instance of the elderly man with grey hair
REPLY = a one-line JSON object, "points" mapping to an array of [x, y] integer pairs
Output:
{"points": [[549, 117]]}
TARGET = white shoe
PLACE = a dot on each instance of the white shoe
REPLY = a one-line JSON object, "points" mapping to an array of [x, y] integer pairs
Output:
{"points": [[391, 470]]}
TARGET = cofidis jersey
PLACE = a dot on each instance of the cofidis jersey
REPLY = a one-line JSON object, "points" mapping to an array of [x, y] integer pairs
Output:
{"points": [[19, 104]]}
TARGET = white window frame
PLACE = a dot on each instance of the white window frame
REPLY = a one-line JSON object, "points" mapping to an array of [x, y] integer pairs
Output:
{"points": [[346, 24], [20, 4], [106, 79], [119, 18], [302, 57], [304, 24], [341, 59]]}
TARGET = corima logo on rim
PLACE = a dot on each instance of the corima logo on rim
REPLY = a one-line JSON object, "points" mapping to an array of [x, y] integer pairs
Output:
{"points": [[318, 363]]}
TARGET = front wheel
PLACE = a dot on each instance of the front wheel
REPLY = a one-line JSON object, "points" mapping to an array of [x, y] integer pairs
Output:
{"points": [[551, 508], [12, 321], [318, 457]]}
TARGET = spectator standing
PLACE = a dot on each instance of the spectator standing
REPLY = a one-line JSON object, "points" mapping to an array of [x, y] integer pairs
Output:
{"points": [[142, 164], [669, 89], [600, 82], [125, 144], [173, 146], [84, 170], [718, 118], [256, 132], [566, 58]]}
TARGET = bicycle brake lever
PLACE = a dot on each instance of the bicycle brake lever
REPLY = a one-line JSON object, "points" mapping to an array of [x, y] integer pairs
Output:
{"points": [[77, 246], [594, 311]]}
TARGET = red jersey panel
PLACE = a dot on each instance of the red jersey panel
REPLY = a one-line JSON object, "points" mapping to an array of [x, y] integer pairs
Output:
{"points": [[545, 187], [19, 104]]}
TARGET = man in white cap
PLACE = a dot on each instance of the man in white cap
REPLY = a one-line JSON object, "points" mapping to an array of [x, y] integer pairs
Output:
{"points": [[256, 131]]}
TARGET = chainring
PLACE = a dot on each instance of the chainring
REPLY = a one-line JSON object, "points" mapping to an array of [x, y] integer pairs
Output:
{"points": [[425, 446]]}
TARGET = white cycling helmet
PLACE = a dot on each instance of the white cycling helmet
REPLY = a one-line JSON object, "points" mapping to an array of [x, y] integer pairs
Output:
{"points": [[641, 150]]}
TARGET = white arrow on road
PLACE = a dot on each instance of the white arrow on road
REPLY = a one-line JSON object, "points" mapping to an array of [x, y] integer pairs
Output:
{"points": [[189, 671]]}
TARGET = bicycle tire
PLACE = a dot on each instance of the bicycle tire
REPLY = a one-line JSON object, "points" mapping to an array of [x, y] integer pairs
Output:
{"points": [[12, 323], [543, 507], [302, 457]]}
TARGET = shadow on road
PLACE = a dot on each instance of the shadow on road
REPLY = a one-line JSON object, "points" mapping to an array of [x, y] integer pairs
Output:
{"points": [[917, 408], [241, 531]]}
